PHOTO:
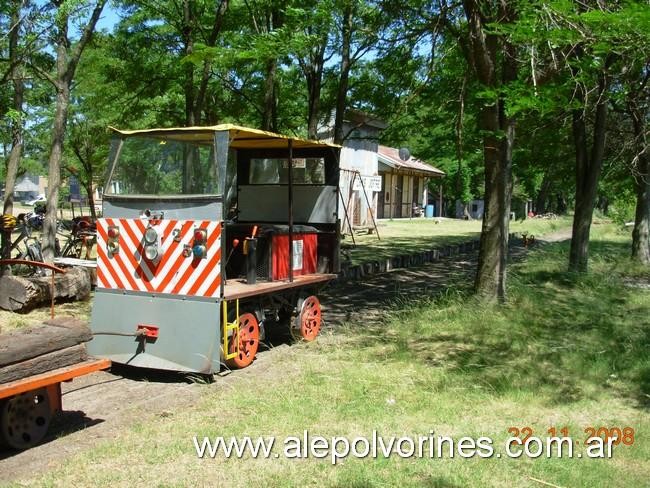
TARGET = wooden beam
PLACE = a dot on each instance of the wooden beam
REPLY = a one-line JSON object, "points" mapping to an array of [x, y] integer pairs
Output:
{"points": [[43, 363], [58, 333]]}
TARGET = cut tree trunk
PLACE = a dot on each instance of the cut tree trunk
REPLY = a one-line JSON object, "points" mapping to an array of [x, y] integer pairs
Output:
{"points": [[22, 294], [52, 335], [41, 364]]}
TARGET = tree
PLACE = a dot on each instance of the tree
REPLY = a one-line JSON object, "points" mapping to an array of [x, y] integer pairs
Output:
{"points": [[68, 55], [89, 144], [493, 58], [316, 26], [15, 73], [589, 161], [16, 70], [637, 107], [604, 37], [359, 24]]}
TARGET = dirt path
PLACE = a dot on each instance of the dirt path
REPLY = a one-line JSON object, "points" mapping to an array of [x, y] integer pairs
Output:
{"points": [[97, 406]]}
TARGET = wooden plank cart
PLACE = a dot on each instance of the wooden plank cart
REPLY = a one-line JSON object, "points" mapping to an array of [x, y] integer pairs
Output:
{"points": [[27, 405]]}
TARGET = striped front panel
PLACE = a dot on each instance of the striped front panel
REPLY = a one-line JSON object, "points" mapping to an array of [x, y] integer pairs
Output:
{"points": [[172, 272]]}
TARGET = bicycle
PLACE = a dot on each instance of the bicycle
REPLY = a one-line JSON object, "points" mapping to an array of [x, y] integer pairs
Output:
{"points": [[28, 248], [80, 236]]}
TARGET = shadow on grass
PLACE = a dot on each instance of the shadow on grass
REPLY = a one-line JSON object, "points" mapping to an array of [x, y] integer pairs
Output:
{"points": [[394, 246], [562, 335]]}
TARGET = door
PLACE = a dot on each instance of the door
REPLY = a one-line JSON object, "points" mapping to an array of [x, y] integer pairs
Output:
{"points": [[381, 197], [399, 191]]}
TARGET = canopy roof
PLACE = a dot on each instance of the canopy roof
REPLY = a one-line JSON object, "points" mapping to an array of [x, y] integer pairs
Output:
{"points": [[240, 137]]}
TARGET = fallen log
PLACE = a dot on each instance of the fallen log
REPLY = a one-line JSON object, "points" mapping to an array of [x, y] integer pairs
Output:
{"points": [[43, 363], [19, 294], [54, 334]]}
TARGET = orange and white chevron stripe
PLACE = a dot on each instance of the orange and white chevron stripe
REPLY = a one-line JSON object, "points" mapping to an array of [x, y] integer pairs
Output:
{"points": [[172, 272]]}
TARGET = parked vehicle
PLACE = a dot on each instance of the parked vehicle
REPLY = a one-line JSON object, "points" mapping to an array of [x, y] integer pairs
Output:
{"points": [[208, 236], [34, 201]]}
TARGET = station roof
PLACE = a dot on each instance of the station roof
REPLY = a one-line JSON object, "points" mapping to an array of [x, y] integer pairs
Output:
{"points": [[241, 137], [390, 157]]}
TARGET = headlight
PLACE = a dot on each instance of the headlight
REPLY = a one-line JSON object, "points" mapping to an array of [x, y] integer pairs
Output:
{"points": [[150, 235], [151, 252]]}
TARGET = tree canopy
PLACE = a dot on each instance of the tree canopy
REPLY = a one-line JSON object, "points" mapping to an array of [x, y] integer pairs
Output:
{"points": [[543, 102]]}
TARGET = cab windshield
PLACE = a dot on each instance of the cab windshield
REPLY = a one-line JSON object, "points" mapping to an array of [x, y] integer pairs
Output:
{"points": [[152, 166]]}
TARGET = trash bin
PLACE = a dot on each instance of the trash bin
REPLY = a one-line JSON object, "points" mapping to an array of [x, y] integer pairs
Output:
{"points": [[429, 211]]}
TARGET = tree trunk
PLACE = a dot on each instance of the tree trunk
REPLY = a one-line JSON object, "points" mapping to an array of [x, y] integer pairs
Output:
{"points": [[542, 195], [91, 198], [588, 168], [188, 85], [17, 122], [66, 65], [495, 63], [458, 127], [16, 132], [54, 171], [270, 114], [314, 83], [641, 233], [493, 251], [199, 102], [344, 77], [313, 71]]}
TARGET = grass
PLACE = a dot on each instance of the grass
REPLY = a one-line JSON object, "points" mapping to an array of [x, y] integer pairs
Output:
{"points": [[403, 236], [399, 236], [566, 351], [11, 320]]}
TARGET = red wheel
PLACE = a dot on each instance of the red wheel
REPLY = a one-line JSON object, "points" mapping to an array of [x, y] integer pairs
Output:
{"points": [[309, 320], [249, 340]]}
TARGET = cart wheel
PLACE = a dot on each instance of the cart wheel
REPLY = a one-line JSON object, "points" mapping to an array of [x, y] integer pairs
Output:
{"points": [[25, 418], [308, 323], [249, 340]]}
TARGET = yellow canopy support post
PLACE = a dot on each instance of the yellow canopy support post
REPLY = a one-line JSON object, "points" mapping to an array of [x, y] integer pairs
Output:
{"points": [[230, 327]]}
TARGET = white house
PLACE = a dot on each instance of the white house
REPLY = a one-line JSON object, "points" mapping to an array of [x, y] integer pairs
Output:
{"points": [[358, 163], [374, 181]]}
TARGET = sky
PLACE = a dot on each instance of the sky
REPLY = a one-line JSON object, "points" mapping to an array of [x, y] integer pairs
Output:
{"points": [[109, 18]]}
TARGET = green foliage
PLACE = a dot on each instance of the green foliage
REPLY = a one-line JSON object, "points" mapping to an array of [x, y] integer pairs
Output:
{"points": [[408, 67], [622, 207]]}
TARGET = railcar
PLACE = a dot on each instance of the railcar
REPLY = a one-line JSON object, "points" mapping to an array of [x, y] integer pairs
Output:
{"points": [[208, 236]]}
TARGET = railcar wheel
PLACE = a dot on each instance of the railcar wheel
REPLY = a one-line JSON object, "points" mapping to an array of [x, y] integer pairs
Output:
{"points": [[25, 418], [309, 320], [249, 340]]}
